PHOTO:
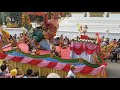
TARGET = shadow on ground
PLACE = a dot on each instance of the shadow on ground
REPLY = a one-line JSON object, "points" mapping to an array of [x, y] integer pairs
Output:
{"points": [[113, 69]]}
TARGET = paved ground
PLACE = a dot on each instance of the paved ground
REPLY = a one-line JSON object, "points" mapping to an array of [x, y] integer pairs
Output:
{"points": [[113, 69]]}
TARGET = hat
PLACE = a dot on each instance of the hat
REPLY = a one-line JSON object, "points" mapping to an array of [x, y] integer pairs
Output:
{"points": [[13, 72], [72, 67], [53, 75]]}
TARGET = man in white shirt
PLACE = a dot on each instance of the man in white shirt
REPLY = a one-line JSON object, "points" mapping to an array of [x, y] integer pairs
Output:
{"points": [[71, 72]]}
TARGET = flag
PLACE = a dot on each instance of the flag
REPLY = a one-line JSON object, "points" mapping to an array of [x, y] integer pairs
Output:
{"points": [[79, 27]]}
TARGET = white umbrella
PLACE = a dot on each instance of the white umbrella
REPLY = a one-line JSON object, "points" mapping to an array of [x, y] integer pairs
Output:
{"points": [[53, 75]]}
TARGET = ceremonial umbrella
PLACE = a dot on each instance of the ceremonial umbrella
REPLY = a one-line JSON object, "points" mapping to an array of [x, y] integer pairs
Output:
{"points": [[53, 75]]}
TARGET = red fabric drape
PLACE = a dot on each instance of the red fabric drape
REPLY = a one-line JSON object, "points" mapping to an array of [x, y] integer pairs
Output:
{"points": [[67, 67], [87, 70], [84, 37], [105, 63], [88, 48], [78, 51], [35, 62], [17, 59], [89, 51], [52, 64], [2, 56]]}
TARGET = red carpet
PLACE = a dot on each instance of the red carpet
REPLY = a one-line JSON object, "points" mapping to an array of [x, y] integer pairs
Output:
{"points": [[65, 53]]}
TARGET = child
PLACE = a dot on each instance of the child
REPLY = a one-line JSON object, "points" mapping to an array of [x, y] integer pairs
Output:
{"points": [[114, 55], [33, 51], [37, 52], [36, 75], [65, 45], [14, 42], [53, 51]]}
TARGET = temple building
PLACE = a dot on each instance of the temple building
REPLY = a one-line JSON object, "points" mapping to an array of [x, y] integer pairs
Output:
{"points": [[101, 22]]}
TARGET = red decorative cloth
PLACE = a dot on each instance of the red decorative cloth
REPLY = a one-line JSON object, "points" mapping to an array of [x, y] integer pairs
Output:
{"points": [[35, 62], [17, 59], [52, 64], [67, 67], [87, 70], [56, 65], [2, 56], [89, 48], [84, 37]]}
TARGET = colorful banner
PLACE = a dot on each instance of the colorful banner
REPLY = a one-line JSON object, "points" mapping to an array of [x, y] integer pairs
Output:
{"points": [[55, 65]]}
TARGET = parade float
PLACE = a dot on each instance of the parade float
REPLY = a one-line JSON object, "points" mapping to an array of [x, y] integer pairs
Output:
{"points": [[92, 65]]}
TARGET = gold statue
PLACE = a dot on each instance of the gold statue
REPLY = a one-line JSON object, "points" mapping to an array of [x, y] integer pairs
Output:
{"points": [[9, 24]]}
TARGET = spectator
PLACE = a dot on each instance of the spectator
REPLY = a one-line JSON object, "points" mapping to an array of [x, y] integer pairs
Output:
{"points": [[13, 73], [3, 71], [20, 73], [114, 55], [118, 41], [8, 67], [29, 74], [18, 39], [14, 42], [114, 41], [103, 37], [61, 41], [53, 75], [103, 43], [15, 36], [36, 75], [71, 72], [10, 39], [53, 50], [25, 38], [30, 45], [21, 37], [65, 43], [56, 41], [66, 38], [107, 41]]}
